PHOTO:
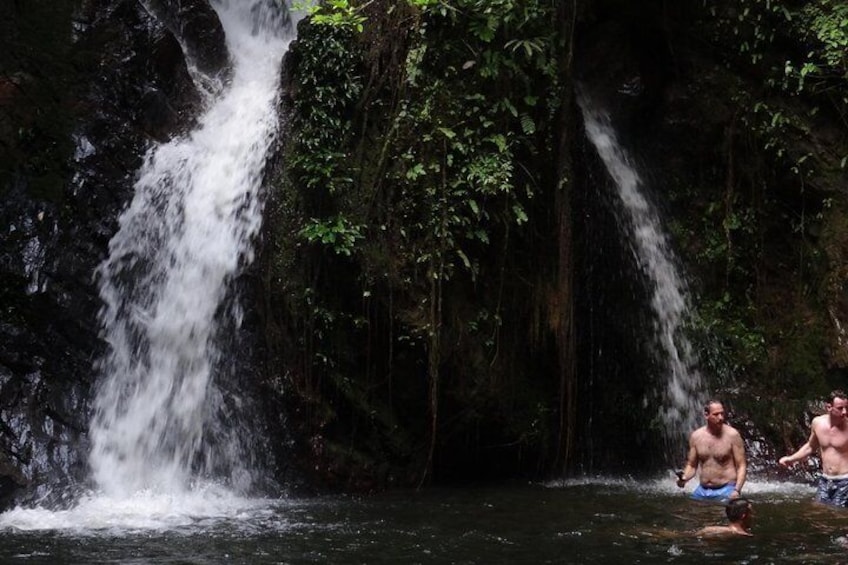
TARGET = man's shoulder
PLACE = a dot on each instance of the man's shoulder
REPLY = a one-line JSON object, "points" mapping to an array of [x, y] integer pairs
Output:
{"points": [[733, 432], [698, 432], [820, 420]]}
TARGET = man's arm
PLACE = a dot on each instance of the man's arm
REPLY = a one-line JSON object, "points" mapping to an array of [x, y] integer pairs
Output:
{"points": [[804, 451], [739, 459], [691, 464]]}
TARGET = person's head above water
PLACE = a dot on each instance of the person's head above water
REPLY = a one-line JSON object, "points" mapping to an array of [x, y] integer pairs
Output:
{"points": [[738, 509], [739, 512]]}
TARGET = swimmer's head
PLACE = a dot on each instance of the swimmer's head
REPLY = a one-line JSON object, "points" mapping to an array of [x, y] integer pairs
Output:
{"points": [[737, 509]]}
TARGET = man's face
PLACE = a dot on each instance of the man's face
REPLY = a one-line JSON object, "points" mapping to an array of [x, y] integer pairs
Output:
{"points": [[838, 408], [715, 414]]}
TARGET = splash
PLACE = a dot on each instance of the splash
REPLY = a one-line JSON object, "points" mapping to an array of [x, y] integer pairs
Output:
{"points": [[141, 511], [763, 488]]}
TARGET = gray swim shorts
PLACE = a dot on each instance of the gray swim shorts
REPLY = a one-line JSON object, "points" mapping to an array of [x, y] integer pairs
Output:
{"points": [[833, 490]]}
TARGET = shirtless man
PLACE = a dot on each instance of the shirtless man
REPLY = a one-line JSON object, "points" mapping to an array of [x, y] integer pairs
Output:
{"points": [[829, 434], [720, 452], [739, 515]]}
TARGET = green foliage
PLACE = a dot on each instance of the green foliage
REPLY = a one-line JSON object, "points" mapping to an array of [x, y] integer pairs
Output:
{"points": [[800, 52], [329, 85], [824, 24], [412, 146], [812, 39], [338, 233], [334, 13], [424, 4], [758, 248], [797, 53], [727, 333], [472, 108]]}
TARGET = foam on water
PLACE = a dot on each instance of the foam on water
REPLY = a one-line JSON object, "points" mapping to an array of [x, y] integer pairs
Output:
{"points": [[144, 510], [665, 485]]}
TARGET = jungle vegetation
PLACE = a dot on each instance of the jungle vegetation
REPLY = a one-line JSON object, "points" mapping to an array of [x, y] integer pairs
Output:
{"points": [[422, 272]]}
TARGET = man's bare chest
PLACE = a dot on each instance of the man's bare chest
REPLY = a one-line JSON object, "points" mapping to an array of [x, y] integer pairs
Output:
{"points": [[715, 449], [834, 438]]}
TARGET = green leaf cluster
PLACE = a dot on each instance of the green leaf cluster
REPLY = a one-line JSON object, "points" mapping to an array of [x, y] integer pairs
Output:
{"points": [[334, 13], [469, 117], [798, 50], [338, 233], [329, 84]]}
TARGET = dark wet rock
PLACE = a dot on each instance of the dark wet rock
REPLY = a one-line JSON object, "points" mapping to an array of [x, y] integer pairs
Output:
{"points": [[158, 117], [11, 479], [102, 83], [625, 63], [197, 26]]}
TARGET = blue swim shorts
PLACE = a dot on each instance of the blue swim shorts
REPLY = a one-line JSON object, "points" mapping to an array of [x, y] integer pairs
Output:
{"points": [[715, 494], [833, 490]]}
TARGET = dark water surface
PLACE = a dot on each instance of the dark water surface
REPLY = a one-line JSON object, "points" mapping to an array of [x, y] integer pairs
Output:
{"points": [[597, 521]]}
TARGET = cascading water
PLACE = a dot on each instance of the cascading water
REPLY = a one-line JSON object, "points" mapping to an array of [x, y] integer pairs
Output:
{"points": [[181, 241], [683, 387], [159, 456]]}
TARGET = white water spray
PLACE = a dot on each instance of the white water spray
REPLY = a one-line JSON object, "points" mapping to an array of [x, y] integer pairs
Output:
{"points": [[182, 240], [683, 393]]}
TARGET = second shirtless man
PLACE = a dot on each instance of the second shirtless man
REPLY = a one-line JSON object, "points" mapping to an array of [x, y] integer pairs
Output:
{"points": [[829, 434], [718, 449]]}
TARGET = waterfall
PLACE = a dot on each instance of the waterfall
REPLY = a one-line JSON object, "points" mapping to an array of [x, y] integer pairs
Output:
{"points": [[682, 387], [165, 284]]}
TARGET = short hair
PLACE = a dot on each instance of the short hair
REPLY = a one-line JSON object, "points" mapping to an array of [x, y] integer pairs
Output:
{"points": [[710, 403], [834, 394], [737, 509]]}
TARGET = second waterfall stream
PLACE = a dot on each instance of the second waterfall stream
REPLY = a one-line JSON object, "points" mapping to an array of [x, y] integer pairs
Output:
{"points": [[682, 385]]}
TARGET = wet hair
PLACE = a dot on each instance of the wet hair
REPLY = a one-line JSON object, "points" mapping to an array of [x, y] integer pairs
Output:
{"points": [[709, 403], [737, 509], [834, 394]]}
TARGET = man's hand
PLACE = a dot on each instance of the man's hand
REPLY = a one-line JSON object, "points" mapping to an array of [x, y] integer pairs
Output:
{"points": [[784, 461]]}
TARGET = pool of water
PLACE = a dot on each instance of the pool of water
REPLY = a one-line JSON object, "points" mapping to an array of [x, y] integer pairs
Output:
{"points": [[578, 521]]}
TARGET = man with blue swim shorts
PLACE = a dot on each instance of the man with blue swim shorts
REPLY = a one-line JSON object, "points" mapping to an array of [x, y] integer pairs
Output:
{"points": [[718, 494], [829, 435], [718, 450]]}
